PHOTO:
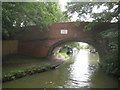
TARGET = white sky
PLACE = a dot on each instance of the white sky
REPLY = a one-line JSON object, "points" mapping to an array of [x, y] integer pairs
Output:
{"points": [[63, 3]]}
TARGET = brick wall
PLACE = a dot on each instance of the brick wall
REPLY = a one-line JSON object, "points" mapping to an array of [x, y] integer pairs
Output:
{"points": [[38, 43]]}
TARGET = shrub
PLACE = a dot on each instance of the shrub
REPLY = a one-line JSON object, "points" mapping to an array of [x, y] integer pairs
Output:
{"points": [[111, 63]]}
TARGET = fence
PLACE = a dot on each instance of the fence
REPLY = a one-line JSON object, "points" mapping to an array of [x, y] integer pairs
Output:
{"points": [[9, 47]]}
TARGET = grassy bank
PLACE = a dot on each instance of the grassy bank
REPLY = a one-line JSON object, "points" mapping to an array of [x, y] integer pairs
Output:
{"points": [[18, 73], [9, 72], [64, 55], [17, 66]]}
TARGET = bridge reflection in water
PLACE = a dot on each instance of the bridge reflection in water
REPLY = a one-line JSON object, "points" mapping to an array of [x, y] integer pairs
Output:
{"points": [[80, 71]]}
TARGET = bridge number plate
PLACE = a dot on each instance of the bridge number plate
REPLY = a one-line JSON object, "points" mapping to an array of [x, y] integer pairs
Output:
{"points": [[64, 31]]}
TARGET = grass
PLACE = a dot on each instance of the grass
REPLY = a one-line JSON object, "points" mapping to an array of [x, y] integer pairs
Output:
{"points": [[8, 72], [17, 66], [20, 63], [62, 54]]}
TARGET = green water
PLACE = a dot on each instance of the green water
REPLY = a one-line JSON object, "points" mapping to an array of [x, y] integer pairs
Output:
{"points": [[81, 71]]}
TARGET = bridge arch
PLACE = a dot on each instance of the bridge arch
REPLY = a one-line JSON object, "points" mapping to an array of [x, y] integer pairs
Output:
{"points": [[41, 44], [89, 41]]}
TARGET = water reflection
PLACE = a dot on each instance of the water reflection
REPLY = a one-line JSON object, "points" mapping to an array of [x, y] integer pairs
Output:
{"points": [[80, 72]]}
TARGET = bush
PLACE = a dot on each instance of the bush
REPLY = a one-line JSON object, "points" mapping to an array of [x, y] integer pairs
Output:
{"points": [[111, 63], [62, 55]]}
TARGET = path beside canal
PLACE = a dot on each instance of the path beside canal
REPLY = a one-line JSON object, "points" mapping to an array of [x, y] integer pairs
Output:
{"points": [[20, 61], [19, 66]]}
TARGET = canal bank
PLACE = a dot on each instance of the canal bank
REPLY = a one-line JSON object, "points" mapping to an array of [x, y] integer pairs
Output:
{"points": [[14, 68], [81, 71]]}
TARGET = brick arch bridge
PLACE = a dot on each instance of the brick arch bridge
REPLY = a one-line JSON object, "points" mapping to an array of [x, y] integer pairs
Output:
{"points": [[41, 44], [69, 40]]}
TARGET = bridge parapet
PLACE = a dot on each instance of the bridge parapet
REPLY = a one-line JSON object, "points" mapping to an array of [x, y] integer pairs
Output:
{"points": [[38, 44], [34, 32]]}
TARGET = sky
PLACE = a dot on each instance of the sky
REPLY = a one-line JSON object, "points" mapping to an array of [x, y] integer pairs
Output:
{"points": [[63, 3]]}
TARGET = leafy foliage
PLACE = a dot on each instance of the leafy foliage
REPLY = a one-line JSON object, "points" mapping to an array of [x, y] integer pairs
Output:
{"points": [[72, 45], [62, 54], [111, 63], [17, 14], [109, 12], [110, 33], [64, 49], [92, 26], [93, 10]]}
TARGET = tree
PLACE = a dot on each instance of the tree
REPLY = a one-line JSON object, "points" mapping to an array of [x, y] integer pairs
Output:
{"points": [[110, 13], [17, 14], [73, 45], [97, 11]]}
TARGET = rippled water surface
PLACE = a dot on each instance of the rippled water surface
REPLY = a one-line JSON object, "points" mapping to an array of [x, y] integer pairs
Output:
{"points": [[80, 71]]}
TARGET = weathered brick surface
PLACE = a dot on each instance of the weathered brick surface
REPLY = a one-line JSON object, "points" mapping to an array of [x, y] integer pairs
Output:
{"points": [[36, 43]]}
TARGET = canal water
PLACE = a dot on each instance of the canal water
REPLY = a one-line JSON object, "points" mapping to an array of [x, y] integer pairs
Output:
{"points": [[81, 71]]}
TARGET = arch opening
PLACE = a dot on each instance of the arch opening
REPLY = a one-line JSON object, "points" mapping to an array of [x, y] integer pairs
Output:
{"points": [[87, 44]]}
